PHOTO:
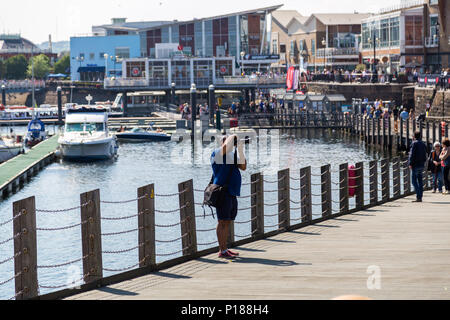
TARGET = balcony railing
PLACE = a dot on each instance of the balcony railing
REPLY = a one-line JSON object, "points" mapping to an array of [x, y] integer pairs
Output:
{"points": [[22, 50], [431, 42], [403, 5], [337, 52], [23, 84], [126, 82]]}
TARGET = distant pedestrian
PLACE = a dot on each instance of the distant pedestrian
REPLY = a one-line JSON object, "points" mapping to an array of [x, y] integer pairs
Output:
{"points": [[404, 114], [445, 163], [434, 166], [417, 160]]}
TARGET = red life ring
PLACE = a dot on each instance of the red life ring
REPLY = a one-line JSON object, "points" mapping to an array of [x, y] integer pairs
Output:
{"points": [[351, 181]]}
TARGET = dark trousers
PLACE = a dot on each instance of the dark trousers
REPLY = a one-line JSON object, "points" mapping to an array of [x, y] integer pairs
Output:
{"points": [[446, 171], [417, 181]]}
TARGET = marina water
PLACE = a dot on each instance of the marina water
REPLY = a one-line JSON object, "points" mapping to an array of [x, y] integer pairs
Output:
{"points": [[166, 165]]}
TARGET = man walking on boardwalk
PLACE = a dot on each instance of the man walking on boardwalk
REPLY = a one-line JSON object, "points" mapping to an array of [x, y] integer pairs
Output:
{"points": [[226, 163], [417, 159]]}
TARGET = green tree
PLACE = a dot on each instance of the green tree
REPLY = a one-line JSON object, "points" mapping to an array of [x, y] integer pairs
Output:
{"points": [[63, 65], [41, 66], [2, 69], [16, 67]]}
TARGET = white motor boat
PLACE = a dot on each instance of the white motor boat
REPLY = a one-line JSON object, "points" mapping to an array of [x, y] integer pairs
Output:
{"points": [[9, 148], [86, 136]]}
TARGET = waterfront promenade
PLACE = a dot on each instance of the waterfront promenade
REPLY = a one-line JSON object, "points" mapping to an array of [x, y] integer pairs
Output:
{"points": [[398, 249]]}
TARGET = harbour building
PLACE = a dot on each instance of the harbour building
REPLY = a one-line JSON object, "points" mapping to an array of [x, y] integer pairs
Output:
{"points": [[413, 34], [180, 52]]}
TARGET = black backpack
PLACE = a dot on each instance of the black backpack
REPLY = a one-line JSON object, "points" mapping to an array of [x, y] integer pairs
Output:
{"points": [[215, 194]]}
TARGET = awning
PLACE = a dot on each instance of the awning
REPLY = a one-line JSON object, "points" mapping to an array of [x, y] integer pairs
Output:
{"points": [[91, 69], [336, 98]]}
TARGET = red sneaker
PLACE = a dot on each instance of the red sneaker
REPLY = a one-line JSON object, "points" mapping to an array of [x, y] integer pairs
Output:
{"points": [[226, 255], [236, 254]]}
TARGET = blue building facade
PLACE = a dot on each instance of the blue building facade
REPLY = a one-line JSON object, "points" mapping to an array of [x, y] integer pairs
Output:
{"points": [[93, 57]]}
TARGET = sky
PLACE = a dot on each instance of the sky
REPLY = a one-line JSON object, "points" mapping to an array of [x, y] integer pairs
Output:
{"points": [[35, 20]]}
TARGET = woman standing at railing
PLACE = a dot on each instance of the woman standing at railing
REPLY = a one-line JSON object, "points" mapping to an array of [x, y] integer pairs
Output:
{"points": [[445, 158], [227, 162]]}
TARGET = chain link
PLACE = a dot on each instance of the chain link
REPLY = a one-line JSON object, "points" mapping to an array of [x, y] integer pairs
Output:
{"points": [[65, 210], [11, 279], [121, 232], [62, 228], [62, 264]]}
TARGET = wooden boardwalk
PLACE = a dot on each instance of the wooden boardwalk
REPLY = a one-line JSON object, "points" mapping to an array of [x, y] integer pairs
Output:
{"points": [[22, 167], [405, 243]]}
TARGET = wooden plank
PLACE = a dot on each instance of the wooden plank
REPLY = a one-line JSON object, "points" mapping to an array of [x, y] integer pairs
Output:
{"points": [[187, 217], [385, 181], [257, 203], [305, 194], [373, 181], [359, 194], [25, 249], [91, 235], [284, 202], [396, 177], [146, 223], [343, 188], [326, 190]]}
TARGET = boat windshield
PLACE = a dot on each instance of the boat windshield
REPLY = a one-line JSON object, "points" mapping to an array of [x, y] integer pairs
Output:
{"points": [[80, 127]]}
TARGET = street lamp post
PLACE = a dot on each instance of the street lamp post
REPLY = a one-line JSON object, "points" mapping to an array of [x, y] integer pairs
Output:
{"points": [[325, 45], [80, 59], [374, 68], [242, 62], [106, 56]]}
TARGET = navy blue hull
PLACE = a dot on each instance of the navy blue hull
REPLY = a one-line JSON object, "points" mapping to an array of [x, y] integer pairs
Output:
{"points": [[143, 138]]}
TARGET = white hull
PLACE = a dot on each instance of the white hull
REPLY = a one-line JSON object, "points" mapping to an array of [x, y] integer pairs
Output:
{"points": [[7, 153], [89, 151]]}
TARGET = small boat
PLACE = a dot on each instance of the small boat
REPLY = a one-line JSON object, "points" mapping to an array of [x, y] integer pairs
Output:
{"points": [[36, 133], [86, 136], [141, 135], [10, 147]]}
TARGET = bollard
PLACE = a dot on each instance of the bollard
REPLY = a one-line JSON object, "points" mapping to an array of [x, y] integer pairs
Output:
{"points": [[343, 188], [326, 191], [305, 194], [359, 194], [373, 180], [146, 222], [187, 217], [91, 235], [257, 203], [284, 202], [406, 178], [385, 186], [25, 249], [396, 177]]}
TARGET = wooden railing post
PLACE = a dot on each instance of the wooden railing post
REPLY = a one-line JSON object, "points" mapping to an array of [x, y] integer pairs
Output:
{"points": [[406, 178], [326, 191], [373, 178], [284, 200], [25, 249], [305, 194], [401, 133], [396, 177], [91, 235], [146, 222], [343, 188], [427, 137], [385, 186], [389, 139], [379, 122], [359, 194], [257, 203], [187, 217], [407, 134], [434, 132]]}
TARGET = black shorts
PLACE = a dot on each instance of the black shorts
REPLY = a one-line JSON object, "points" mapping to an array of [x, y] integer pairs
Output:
{"points": [[229, 209]]}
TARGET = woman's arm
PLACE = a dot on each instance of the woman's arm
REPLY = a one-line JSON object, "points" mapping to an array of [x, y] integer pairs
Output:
{"points": [[444, 154]]}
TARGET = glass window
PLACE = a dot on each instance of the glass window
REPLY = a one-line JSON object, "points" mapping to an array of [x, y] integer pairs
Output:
{"points": [[313, 47], [74, 127], [122, 53], [91, 127], [135, 69]]}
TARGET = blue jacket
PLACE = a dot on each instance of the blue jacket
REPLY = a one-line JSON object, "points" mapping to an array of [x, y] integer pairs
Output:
{"points": [[418, 154]]}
